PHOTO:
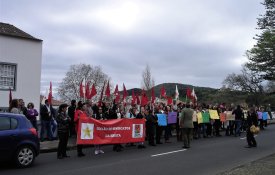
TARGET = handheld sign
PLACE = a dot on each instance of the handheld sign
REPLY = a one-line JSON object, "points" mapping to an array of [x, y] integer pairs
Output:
{"points": [[172, 117], [162, 120]]}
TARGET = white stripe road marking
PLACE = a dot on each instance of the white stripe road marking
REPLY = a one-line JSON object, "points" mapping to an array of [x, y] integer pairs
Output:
{"points": [[155, 155], [245, 137]]}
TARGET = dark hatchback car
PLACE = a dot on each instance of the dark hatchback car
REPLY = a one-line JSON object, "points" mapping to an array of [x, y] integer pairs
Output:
{"points": [[18, 140]]}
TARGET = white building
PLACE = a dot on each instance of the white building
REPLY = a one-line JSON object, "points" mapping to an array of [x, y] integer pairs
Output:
{"points": [[20, 65]]}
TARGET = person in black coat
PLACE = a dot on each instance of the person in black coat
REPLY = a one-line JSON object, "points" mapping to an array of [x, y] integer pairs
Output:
{"points": [[151, 122], [252, 119], [112, 114], [46, 113], [71, 111], [63, 122], [239, 115]]}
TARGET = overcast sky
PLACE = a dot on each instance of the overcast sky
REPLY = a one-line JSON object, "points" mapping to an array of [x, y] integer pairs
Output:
{"points": [[197, 42]]}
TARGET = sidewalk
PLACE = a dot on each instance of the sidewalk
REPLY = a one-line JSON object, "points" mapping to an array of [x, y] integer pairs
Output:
{"points": [[51, 146], [264, 166]]}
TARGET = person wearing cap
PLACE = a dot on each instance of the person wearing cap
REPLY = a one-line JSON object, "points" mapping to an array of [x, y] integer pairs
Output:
{"points": [[63, 123]]}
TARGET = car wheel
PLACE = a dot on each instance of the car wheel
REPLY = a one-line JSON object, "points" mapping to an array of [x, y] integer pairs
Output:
{"points": [[24, 156]]}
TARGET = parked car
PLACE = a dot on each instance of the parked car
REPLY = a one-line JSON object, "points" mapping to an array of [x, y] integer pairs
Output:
{"points": [[18, 140]]}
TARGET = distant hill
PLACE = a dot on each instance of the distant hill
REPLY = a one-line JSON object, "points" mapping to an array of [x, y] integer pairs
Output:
{"points": [[201, 92]]}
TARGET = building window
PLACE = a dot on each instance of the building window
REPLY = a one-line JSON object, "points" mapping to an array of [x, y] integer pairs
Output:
{"points": [[7, 76]]}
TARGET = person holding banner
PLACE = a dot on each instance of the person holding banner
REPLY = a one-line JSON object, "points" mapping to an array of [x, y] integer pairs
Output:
{"points": [[133, 114], [79, 113], [141, 115], [195, 123], [100, 116], [186, 123], [217, 124], [113, 115], [159, 129], [167, 129]]}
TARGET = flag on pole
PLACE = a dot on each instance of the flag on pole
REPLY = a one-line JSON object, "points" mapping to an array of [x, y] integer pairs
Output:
{"points": [[50, 96], [177, 93], [153, 97], [116, 94], [87, 90], [144, 99], [81, 93], [188, 93], [194, 96], [138, 100], [107, 92], [93, 92], [125, 94], [10, 97], [101, 95], [162, 92], [133, 97], [169, 100]]}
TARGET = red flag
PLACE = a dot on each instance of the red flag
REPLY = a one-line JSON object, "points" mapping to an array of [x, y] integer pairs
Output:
{"points": [[116, 90], [50, 96], [162, 92], [93, 91], [188, 93], [153, 96], [101, 96], [125, 94], [169, 100], [10, 97], [81, 93], [116, 93], [107, 92], [138, 100], [87, 91], [144, 99], [133, 97]]}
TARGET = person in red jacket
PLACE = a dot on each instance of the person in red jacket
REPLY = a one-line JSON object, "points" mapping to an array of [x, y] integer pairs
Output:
{"points": [[79, 113]]}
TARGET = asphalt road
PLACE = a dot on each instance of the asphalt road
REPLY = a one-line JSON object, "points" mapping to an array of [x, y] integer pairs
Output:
{"points": [[206, 156]]}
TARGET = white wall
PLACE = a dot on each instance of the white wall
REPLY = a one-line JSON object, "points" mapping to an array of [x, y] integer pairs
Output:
{"points": [[27, 54]]}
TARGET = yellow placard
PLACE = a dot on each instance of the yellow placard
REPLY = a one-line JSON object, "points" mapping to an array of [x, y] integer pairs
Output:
{"points": [[199, 116], [214, 114]]}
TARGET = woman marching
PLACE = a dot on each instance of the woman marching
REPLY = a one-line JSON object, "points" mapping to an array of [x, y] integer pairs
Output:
{"points": [[252, 119], [63, 122], [79, 113]]}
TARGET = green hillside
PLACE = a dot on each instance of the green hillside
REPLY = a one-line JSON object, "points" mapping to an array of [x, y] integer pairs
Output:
{"points": [[212, 96]]}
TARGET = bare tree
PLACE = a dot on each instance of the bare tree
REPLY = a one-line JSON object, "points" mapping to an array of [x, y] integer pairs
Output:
{"points": [[147, 80], [69, 87], [270, 87], [247, 81]]}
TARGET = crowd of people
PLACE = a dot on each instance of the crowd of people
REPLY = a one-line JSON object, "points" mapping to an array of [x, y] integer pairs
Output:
{"points": [[65, 121]]}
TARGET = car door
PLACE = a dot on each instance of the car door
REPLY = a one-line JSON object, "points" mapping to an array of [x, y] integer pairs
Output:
{"points": [[8, 138]]}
